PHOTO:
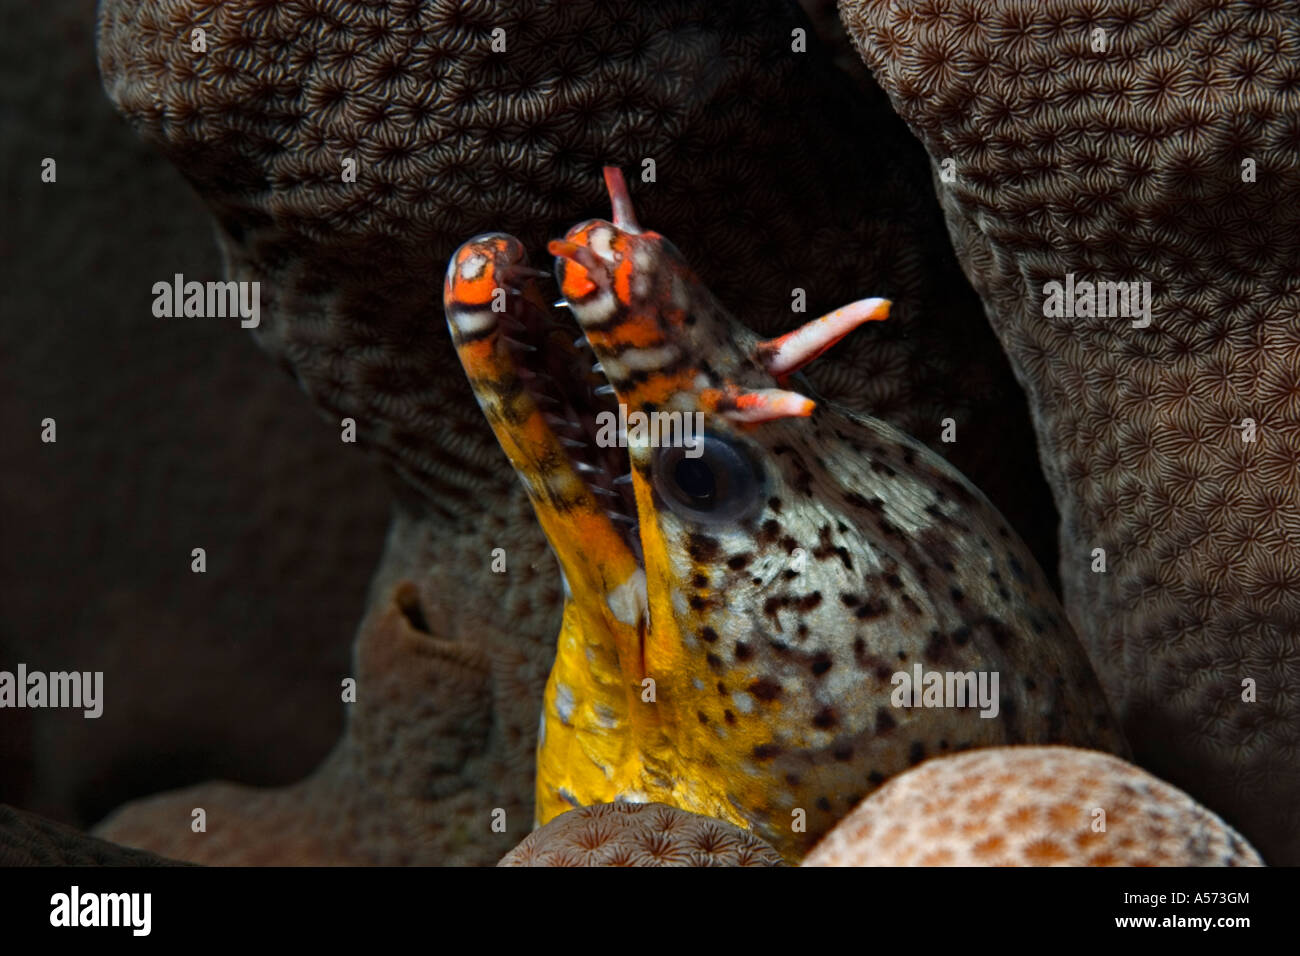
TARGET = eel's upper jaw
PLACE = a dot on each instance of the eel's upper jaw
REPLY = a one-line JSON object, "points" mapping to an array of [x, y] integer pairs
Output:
{"points": [[649, 359]]}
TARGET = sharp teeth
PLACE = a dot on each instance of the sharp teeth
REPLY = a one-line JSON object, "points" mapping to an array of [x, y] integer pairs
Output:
{"points": [[605, 390], [605, 491], [581, 342], [598, 368], [585, 468], [520, 345], [555, 421], [617, 516], [572, 442], [542, 397], [623, 479], [561, 303]]}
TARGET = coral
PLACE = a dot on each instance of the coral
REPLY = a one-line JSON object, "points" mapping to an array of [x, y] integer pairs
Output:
{"points": [[772, 172], [1153, 142], [30, 840], [414, 781], [640, 834], [1030, 806]]}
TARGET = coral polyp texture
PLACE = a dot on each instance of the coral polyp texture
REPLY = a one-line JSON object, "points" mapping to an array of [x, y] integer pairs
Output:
{"points": [[771, 169], [1030, 806], [640, 834], [1144, 142]]}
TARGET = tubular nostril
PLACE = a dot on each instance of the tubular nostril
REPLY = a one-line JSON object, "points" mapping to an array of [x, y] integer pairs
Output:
{"points": [[583, 256]]}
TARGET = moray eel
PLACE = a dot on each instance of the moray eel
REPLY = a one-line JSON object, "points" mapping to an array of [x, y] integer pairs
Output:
{"points": [[742, 602]]}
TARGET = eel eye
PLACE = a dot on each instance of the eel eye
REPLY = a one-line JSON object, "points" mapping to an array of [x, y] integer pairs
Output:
{"points": [[721, 483]]}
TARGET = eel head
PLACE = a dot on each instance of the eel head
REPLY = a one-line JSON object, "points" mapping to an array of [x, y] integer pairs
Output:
{"points": [[746, 570]]}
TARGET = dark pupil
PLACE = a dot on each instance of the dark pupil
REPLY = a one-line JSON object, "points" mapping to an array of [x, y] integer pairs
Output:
{"points": [[695, 479]]}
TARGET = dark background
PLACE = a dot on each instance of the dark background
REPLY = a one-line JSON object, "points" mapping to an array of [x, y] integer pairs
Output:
{"points": [[172, 434]]}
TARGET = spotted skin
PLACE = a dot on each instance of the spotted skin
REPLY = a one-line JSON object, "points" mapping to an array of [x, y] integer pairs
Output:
{"points": [[770, 638]]}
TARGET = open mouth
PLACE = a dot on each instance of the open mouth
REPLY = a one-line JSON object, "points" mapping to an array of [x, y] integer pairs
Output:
{"points": [[558, 370]]}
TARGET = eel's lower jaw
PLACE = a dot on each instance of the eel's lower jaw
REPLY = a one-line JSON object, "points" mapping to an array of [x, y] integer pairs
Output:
{"points": [[558, 370]]}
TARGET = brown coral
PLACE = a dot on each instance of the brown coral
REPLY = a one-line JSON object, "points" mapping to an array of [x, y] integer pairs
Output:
{"points": [[768, 177], [1030, 806], [1145, 141], [30, 840], [640, 834], [404, 786], [773, 173]]}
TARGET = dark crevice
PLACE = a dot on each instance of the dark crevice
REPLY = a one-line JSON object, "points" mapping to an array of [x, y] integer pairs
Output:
{"points": [[408, 602]]}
